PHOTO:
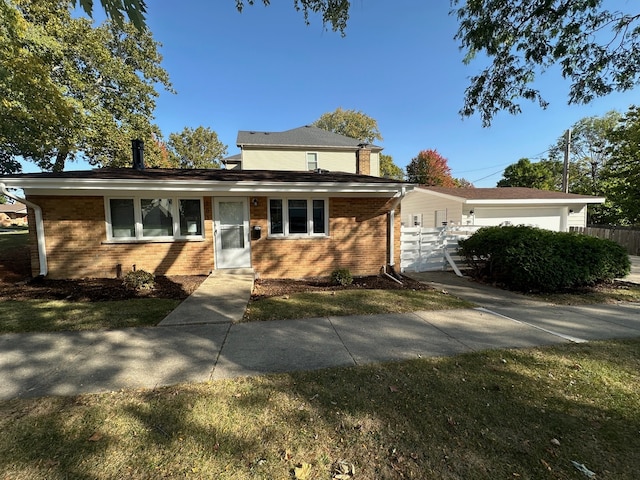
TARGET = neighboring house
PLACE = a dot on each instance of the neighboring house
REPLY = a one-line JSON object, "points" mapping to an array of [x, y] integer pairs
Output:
{"points": [[433, 206], [287, 224], [13, 214], [304, 148]]}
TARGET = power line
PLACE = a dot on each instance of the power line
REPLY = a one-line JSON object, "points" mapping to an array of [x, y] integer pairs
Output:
{"points": [[537, 156]]}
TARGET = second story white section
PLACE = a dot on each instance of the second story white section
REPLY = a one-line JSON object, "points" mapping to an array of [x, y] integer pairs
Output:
{"points": [[305, 148]]}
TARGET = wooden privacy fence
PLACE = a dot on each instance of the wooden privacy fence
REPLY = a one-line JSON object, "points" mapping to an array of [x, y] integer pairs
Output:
{"points": [[432, 249], [628, 237]]}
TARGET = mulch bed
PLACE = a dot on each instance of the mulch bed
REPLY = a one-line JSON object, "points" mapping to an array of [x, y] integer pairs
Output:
{"points": [[179, 288], [14, 270], [98, 289]]}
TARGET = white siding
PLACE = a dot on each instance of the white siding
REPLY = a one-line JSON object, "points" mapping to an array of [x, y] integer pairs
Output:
{"points": [[297, 160], [375, 164], [417, 203], [579, 216]]}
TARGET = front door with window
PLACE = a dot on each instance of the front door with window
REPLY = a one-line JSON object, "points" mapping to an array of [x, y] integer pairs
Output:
{"points": [[231, 225]]}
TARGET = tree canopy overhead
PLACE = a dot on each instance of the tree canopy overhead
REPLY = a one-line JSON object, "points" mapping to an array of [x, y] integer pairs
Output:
{"points": [[117, 9], [334, 12], [596, 49], [350, 123], [71, 88]]}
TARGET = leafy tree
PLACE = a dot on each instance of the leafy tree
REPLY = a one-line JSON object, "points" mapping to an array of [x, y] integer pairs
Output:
{"points": [[597, 49], [431, 169], [199, 148], [115, 10], [544, 175], [73, 89], [351, 123], [463, 183], [334, 12], [388, 169], [622, 171], [589, 152]]}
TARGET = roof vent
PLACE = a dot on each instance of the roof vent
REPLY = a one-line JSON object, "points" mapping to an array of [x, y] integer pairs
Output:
{"points": [[137, 148], [321, 171]]}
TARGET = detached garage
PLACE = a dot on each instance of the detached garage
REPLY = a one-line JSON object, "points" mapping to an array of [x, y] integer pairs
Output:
{"points": [[439, 206]]}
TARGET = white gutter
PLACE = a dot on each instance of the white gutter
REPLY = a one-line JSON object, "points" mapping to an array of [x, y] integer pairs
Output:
{"points": [[392, 222], [42, 251]]}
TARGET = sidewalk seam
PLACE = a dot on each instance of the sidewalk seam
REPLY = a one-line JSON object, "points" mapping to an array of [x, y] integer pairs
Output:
{"points": [[215, 362], [442, 331], [342, 341]]}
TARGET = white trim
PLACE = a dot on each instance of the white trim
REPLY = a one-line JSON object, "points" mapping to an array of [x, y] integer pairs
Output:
{"points": [[285, 217], [538, 201], [101, 186], [306, 157], [246, 258], [513, 201], [137, 217]]}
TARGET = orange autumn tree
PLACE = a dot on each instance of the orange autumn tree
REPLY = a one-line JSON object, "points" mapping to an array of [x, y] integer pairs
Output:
{"points": [[431, 169]]}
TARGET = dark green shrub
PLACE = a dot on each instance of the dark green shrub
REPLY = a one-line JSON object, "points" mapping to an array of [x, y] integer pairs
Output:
{"points": [[527, 258], [341, 276], [138, 280]]}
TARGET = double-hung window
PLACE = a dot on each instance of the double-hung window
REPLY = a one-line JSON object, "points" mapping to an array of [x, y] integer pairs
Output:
{"points": [[312, 161], [146, 218], [298, 217]]}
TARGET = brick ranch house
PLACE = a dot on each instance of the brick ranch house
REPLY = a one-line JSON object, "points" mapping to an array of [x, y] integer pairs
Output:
{"points": [[281, 223]]}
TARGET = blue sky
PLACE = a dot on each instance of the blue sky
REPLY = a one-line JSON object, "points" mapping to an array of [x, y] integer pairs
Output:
{"points": [[264, 69]]}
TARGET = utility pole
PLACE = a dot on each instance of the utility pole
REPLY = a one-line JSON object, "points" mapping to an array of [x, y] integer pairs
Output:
{"points": [[565, 170]]}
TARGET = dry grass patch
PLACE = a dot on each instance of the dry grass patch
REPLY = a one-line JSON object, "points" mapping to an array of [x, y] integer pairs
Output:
{"points": [[349, 302], [606, 293], [522, 414]]}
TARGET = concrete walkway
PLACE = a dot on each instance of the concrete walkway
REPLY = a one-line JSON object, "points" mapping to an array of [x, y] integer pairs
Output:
{"points": [[221, 298], [196, 348]]}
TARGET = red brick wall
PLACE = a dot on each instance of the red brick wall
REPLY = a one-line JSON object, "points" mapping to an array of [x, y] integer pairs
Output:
{"points": [[357, 240], [76, 242], [76, 245]]}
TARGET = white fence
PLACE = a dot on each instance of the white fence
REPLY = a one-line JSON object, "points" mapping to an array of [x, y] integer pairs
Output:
{"points": [[427, 249]]}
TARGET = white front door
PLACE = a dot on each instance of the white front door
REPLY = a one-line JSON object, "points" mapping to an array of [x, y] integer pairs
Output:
{"points": [[231, 231]]}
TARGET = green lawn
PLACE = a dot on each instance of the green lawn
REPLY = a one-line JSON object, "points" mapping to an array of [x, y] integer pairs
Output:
{"points": [[350, 302], [503, 414], [56, 315], [13, 240]]}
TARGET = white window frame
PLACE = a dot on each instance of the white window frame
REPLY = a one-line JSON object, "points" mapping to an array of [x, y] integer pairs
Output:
{"points": [[285, 217], [316, 162], [137, 215]]}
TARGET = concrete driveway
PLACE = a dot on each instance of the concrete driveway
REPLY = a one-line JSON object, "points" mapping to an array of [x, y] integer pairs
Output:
{"points": [[634, 276]]}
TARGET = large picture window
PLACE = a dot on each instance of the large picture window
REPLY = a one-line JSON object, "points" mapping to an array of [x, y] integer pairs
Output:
{"points": [[154, 218], [298, 217]]}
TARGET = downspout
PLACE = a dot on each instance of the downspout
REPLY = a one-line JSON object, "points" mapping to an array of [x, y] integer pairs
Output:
{"points": [[42, 251], [392, 220]]}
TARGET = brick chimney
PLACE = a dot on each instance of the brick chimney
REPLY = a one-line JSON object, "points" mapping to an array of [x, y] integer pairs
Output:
{"points": [[363, 159]]}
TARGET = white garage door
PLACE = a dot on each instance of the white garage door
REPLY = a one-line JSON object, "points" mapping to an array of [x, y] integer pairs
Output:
{"points": [[541, 217]]}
